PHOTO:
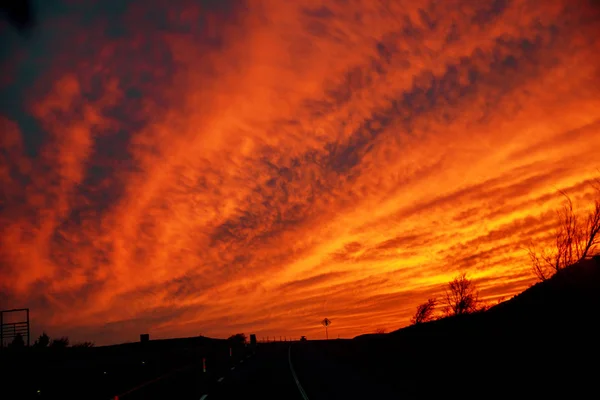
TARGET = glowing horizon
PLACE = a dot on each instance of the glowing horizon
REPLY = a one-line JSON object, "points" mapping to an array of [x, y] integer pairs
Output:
{"points": [[210, 169]]}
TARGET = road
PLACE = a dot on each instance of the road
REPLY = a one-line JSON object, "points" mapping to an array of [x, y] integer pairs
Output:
{"points": [[265, 375], [298, 371], [334, 369], [330, 370]]}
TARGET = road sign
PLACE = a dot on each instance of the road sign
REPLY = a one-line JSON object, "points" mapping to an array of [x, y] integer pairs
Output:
{"points": [[13, 327]]}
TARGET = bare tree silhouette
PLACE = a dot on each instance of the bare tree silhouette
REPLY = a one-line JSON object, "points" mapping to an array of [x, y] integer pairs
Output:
{"points": [[380, 331], [574, 239], [461, 297], [425, 312]]}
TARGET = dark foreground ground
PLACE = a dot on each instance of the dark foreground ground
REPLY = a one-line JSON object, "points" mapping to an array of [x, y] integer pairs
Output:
{"points": [[545, 342], [372, 368]]}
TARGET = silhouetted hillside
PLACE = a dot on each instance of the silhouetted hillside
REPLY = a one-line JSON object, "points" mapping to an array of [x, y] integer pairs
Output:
{"points": [[572, 295], [567, 301], [541, 342]]}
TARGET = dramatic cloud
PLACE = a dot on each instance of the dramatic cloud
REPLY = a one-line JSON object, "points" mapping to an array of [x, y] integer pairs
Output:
{"points": [[186, 167]]}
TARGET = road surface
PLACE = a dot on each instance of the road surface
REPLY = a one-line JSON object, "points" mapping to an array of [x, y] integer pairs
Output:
{"points": [[322, 370], [334, 369], [265, 375], [298, 371]]}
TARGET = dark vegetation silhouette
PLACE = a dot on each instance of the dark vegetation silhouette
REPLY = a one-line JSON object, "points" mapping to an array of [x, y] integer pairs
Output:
{"points": [[60, 343], [461, 296], [425, 312], [238, 338], [43, 341], [84, 345], [575, 238], [18, 342]]}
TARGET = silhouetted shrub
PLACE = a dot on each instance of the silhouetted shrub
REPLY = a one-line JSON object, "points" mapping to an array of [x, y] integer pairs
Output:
{"points": [[60, 343], [575, 239], [17, 342], [84, 345], [238, 338], [461, 296], [425, 312], [43, 341]]}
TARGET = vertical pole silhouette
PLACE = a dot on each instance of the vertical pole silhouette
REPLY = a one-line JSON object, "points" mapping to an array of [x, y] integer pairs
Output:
{"points": [[28, 327], [326, 322]]}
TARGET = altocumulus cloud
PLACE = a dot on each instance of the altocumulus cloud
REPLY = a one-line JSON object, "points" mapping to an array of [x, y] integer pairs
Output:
{"points": [[184, 167]]}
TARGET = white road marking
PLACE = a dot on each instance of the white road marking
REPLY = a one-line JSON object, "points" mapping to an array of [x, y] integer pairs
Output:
{"points": [[221, 379], [241, 361], [232, 368], [302, 392], [204, 396]]}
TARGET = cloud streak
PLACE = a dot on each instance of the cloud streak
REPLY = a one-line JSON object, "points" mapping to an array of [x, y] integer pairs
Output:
{"points": [[202, 167]]}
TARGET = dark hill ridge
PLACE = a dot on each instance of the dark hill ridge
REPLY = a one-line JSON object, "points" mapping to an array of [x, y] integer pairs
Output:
{"points": [[568, 301], [171, 343], [542, 342]]}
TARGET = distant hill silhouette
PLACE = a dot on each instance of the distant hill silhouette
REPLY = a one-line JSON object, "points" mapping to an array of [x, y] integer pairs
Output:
{"points": [[569, 300], [543, 342], [172, 343]]}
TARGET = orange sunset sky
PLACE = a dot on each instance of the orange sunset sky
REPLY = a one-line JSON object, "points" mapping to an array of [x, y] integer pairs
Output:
{"points": [[212, 167]]}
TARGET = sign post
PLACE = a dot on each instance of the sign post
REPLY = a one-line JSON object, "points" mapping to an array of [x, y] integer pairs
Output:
{"points": [[15, 327], [326, 322]]}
